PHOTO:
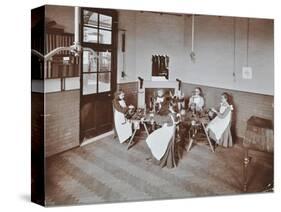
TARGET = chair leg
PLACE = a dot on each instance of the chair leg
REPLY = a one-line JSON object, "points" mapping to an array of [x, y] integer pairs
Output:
{"points": [[114, 132], [190, 144], [131, 140], [245, 169], [190, 141], [208, 139]]}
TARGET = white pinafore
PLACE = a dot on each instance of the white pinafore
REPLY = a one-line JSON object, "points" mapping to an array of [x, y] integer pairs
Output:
{"points": [[123, 126], [218, 125]]}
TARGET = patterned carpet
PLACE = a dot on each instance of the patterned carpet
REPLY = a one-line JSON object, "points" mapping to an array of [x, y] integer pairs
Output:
{"points": [[105, 171]]}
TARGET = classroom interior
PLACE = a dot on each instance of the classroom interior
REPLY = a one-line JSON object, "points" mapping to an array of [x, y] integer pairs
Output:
{"points": [[73, 125]]}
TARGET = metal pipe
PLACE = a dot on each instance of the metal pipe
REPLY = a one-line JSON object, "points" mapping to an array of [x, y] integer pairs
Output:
{"points": [[76, 25], [192, 33], [38, 54], [57, 50]]}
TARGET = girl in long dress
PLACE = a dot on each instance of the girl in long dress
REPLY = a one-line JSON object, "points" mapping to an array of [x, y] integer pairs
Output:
{"points": [[161, 142], [196, 101], [219, 127], [123, 126]]}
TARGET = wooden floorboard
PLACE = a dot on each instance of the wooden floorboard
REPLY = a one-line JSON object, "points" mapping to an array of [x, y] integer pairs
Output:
{"points": [[105, 171]]}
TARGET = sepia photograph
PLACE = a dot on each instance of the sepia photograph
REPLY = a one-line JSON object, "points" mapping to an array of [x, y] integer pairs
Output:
{"points": [[137, 105]]}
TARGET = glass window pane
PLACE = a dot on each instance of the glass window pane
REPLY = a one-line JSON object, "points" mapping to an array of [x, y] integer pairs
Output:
{"points": [[89, 83], [90, 18], [105, 61], [89, 62], [105, 21], [105, 36], [90, 35], [104, 82]]}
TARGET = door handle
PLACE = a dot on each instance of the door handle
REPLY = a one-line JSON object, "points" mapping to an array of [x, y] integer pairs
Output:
{"points": [[109, 94], [45, 115]]}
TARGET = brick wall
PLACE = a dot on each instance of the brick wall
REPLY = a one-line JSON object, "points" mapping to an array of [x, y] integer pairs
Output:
{"points": [[131, 92], [245, 104], [62, 111]]}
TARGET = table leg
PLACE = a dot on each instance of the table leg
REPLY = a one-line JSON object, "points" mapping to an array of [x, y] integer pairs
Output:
{"points": [[190, 141], [146, 130], [131, 139], [209, 141]]}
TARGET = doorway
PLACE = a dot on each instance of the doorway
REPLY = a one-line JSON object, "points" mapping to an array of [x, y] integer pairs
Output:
{"points": [[99, 31]]}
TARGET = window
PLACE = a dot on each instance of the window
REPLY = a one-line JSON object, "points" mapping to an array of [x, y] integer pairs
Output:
{"points": [[96, 72], [97, 28], [97, 68]]}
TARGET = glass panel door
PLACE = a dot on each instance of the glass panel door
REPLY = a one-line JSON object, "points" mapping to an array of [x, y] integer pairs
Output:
{"points": [[99, 30]]}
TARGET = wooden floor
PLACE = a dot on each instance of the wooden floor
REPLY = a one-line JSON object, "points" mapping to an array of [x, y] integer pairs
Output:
{"points": [[105, 171]]}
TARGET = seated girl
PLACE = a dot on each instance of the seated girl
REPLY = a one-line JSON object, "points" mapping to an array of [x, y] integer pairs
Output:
{"points": [[196, 101], [123, 126], [161, 142], [178, 100], [159, 100], [219, 127]]}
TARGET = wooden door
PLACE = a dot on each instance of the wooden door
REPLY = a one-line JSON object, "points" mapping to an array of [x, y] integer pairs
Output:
{"points": [[98, 71]]}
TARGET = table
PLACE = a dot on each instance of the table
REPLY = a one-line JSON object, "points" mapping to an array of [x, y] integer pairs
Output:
{"points": [[143, 117], [197, 121], [137, 119]]}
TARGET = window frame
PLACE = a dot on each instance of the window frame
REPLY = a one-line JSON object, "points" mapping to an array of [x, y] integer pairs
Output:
{"points": [[98, 47]]}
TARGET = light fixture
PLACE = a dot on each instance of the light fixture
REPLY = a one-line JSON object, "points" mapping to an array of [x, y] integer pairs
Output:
{"points": [[192, 53]]}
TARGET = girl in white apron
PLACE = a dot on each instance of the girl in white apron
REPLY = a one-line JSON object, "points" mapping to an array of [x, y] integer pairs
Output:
{"points": [[219, 127], [123, 126]]}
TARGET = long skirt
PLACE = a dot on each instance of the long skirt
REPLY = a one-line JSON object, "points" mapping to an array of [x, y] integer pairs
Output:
{"points": [[162, 146], [226, 138], [169, 158]]}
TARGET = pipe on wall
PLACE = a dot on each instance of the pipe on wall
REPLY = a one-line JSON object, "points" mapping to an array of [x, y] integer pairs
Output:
{"points": [[76, 25]]}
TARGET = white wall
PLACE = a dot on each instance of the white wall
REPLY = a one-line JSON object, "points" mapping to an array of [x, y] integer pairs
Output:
{"points": [[214, 49], [127, 21], [261, 56], [159, 34]]}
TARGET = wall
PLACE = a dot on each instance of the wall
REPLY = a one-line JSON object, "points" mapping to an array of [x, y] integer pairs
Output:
{"points": [[219, 52], [245, 104], [159, 34], [127, 22], [62, 123], [213, 47], [62, 15]]}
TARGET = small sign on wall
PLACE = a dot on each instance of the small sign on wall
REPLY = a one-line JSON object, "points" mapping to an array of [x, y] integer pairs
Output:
{"points": [[247, 72]]}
